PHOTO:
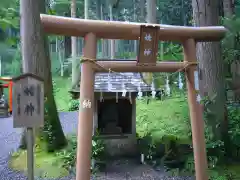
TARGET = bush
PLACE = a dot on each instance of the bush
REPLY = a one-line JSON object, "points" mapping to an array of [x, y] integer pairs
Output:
{"points": [[231, 48], [74, 105], [161, 118], [55, 88], [223, 174], [234, 131], [147, 146], [68, 155], [234, 125], [98, 148]]}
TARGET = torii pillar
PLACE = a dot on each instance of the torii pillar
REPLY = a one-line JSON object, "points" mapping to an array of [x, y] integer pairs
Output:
{"points": [[196, 113], [85, 120]]}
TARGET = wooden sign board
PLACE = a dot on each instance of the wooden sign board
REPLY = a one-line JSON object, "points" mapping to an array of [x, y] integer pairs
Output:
{"points": [[28, 101], [148, 46]]}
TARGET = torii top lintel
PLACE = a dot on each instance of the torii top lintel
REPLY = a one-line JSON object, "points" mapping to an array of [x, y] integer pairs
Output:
{"points": [[127, 30]]}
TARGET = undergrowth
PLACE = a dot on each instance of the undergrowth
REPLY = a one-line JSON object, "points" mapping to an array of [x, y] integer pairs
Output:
{"points": [[68, 155], [164, 135], [164, 127]]}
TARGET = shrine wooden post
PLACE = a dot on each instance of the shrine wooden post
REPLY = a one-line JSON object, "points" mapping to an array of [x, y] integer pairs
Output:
{"points": [[196, 113], [85, 119]]}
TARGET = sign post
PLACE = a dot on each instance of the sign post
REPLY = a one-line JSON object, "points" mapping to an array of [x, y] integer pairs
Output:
{"points": [[30, 154], [28, 110]]}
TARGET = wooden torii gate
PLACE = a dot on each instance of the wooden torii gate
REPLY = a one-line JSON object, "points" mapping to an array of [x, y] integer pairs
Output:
{"points": [[93, 29]]}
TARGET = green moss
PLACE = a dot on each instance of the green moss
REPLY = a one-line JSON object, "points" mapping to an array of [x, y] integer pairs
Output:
{"points": [[47, 165], [225, 172], [62, 96], [233, 169], [164, 118]]}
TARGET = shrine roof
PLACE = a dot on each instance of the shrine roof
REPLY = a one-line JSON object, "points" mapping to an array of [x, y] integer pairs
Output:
{"points": [[117, 81]]}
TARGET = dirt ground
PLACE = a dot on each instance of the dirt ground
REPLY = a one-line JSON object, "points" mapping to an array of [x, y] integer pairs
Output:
{"points": [[132, 170]]}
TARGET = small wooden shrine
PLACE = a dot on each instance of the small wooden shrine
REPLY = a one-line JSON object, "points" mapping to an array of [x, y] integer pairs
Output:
{"points": [[115, 109]]}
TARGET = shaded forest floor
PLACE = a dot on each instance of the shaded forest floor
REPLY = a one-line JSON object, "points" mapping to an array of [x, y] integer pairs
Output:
{"points": [[169, 117], [115, 170]]}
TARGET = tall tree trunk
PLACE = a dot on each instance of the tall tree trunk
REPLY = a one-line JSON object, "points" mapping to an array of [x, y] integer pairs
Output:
{"points": [[104, 42], [67, 47], [135, 20], [36, 59], [60, 56], [151, 11], [228, 8], [98, 9], [142, 10], [86, 7], [67, 41], [100, 16], [112, 49], [75, 67], [76, 80], [206, 13]]}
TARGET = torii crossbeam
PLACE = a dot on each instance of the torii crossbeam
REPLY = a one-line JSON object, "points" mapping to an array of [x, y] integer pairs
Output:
{"points": [[93, 29]]}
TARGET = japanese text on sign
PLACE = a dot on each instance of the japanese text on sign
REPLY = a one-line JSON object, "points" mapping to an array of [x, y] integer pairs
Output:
{"points": [[29, 107], [86, 104], [148, 37], [28, 102], [29, 90], [147, 52], [148, 46]]}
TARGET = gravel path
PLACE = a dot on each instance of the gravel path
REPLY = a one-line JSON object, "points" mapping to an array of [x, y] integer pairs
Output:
{"points": [[118, 170]]}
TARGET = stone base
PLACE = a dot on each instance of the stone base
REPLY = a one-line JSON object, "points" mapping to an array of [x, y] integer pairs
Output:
{"points": [[121, 146]]}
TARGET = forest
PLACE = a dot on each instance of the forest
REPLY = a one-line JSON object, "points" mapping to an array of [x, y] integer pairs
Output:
{"points": [[163, 128]]}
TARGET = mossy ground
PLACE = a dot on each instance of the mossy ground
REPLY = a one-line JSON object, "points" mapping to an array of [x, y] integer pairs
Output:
{"points": [[47, 165], [62, 96], [167, 117]]}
